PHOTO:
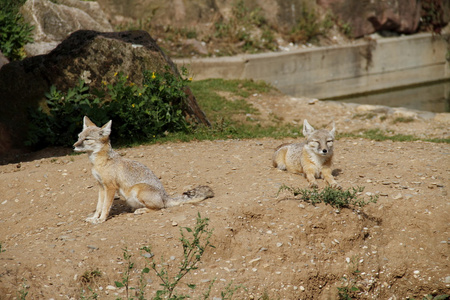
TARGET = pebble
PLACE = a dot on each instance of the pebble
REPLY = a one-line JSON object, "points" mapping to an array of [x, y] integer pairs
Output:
{"points": [[254, 260], [398, 196], [111, 288], [279, 245]]}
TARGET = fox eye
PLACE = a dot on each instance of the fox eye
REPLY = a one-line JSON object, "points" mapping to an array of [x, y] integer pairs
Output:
{"points": [[329, 143], [314, 144]]}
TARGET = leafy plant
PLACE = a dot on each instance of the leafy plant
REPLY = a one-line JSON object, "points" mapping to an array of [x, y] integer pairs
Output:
{"points": [[349, 290], [193, 250], [23, 292], [194, 246], [14, 32], [334, 197], [126, 275], [1, 248], [138, 112]]}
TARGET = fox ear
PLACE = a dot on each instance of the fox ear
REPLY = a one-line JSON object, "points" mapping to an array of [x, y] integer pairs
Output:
{"points": [[333, 130], [106, 129], [87, 122], [307, 129]]}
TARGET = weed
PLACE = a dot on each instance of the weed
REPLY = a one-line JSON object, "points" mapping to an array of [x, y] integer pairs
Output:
{"points": [[193, 250], [93, 295], [194, 246], [23, 292], [334, 197], [349, 290], [126, 275], [1, 248], [14, 32]]}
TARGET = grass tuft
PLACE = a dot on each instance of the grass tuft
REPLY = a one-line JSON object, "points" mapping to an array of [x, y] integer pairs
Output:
{"points": [[336, 198]]}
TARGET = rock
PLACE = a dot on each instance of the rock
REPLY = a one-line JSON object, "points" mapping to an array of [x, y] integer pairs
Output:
{"points": [[366, 17], [400, 112], [24, 83], [442, 118], [53, 22], [373, 109], [199, 46], [3, 60]]}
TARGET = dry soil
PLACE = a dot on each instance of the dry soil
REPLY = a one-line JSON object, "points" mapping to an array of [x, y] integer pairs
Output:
{"points": [[273, 245]]}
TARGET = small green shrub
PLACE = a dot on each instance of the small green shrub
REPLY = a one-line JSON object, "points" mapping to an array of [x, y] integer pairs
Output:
{"points": [[350, 290], [194, 246], [334, 197], [138, 112], [14, 32]]}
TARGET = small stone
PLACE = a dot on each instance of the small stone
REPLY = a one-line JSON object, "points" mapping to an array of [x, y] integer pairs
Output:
{"points": [[174, 223], [302, 288], [279, 245], [416, 272], [111, 288], [254, 260], [148, 255], [398, 196], [92, 247]]}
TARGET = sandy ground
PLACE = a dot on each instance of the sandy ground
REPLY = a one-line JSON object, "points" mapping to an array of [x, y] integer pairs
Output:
{"points": [[269, 244]]}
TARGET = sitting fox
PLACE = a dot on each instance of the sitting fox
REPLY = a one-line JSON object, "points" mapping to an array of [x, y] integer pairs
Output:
{"points": [[133, 180], [312, 158]]}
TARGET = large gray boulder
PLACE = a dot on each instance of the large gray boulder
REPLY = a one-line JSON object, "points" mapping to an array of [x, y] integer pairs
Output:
{"points": [[53, 21], [92, 55]]}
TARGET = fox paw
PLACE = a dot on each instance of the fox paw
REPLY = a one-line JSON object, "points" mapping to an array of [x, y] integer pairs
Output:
{"points": [[95, 220], [141, 211]]}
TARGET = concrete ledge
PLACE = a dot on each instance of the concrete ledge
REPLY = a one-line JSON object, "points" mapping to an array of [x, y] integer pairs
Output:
{"points": [[337, 71]]}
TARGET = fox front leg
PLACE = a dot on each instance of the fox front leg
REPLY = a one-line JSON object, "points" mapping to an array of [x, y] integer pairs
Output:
{"points": [[98, 210], [326, 172], [311, 177]]}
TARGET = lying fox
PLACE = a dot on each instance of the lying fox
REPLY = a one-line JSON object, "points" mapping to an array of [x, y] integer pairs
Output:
{"points": [[312, 158], [134, 181]]}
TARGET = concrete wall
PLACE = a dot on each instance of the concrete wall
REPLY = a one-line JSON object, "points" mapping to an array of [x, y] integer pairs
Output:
{"points": [[337, 71]]}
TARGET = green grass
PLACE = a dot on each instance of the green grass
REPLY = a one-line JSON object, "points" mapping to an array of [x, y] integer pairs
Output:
{"points": [[379, 135], [224, 103]]}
